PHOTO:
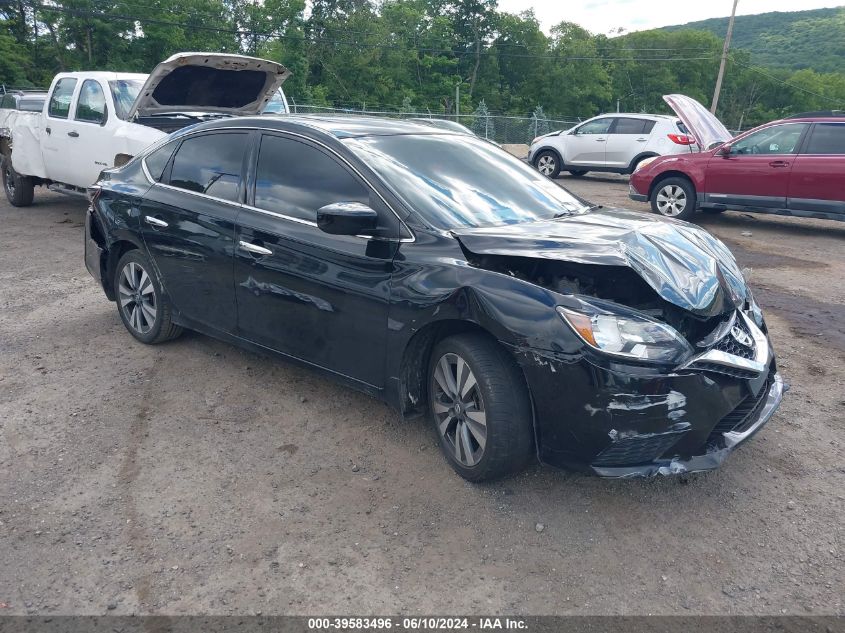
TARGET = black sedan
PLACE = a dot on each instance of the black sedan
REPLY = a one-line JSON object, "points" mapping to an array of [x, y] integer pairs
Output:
{"points": [[440, 274]]}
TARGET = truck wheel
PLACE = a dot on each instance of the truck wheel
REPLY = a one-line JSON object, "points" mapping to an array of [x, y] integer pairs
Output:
{"points": [[20, 190]]}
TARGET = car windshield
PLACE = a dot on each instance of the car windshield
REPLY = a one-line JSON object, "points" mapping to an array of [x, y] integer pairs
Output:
{"points": [[458, 181], [125, 91]]}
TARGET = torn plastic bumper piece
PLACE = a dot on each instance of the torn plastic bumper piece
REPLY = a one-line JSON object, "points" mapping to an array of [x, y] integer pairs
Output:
{"points": [[711, 459]]}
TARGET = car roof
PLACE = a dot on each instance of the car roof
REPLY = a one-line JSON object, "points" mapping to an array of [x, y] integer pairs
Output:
{"points": [[340, 127], [99, 74], [638, 115]]}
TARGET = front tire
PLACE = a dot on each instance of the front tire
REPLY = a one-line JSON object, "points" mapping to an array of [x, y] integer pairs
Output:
{"points": [[674, 198], [20, 190], [143, 308], [480, 407], [547, 163]]}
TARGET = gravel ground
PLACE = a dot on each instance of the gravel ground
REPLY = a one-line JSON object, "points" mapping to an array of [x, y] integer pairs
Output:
{"points": [[193, 477]]}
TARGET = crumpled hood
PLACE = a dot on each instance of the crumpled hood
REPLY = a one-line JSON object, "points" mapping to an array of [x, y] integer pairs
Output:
{"points": [[209, 82], [684, 264]]}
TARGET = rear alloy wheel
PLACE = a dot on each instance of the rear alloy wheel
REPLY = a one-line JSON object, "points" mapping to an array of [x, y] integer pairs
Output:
{"points": [[674, 198], [480, 407], [547, 163], [19, 189], [143, 309]]}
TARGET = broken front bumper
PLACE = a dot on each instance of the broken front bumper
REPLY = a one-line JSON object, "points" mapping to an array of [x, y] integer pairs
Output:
{"points": [[621, 420], [714, 457]]}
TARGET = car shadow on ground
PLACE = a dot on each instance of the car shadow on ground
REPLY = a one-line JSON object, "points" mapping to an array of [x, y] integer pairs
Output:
{"points": [[764, 221]]}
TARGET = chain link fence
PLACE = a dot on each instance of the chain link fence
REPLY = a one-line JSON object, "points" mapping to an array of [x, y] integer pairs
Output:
{"points": [[505, 130]]}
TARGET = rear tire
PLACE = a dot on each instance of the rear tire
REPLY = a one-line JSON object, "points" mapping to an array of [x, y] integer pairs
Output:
{"points": [[143, 307], [547, 163], [480, 407], [20, 190], [674, 198], [577, 173]]}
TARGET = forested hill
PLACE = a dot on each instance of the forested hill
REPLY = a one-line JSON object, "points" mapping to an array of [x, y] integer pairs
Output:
{"points": [[794, 40]]}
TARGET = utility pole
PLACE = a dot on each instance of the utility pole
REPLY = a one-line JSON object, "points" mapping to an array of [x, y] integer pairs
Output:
{"points": [[724, 59], [458, 102]]}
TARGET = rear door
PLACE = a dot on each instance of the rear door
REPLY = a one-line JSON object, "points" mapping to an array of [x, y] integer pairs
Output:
{"points": [[627, 137], [300, 291], [188, 222], [755, 173], [58, 141], [585, 145], [817, 181]]}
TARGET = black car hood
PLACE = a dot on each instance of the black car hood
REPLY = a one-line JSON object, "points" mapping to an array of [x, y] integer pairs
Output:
{"points": [[683, 263]]}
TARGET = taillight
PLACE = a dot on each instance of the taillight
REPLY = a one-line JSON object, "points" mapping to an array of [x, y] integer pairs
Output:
{"points": [[681, 139], [94, 192]]}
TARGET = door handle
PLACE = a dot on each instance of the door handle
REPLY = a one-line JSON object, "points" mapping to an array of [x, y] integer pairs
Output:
{"points": [[600, 140], [255, 249], [641, 140], [779, 163], [155, 222], [73, 134]]}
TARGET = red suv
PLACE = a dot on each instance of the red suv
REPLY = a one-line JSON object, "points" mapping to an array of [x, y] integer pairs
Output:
{"points": [[791, 167]]}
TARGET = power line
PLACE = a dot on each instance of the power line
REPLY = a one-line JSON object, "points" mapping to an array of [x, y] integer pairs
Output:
{"points": [[760, 71]]}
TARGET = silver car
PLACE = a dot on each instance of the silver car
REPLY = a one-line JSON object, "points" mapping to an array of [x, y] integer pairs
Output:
{"points": [[610, 143]]}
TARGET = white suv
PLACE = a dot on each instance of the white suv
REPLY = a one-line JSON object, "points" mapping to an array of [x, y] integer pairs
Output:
{"points": [[609, 142]]}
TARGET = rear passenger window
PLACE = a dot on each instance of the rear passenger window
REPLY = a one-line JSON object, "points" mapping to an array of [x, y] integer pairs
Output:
{"points": [[210, 164], [60, 99], [827, 138], [157, 161], [631, 126], [296, 179]]}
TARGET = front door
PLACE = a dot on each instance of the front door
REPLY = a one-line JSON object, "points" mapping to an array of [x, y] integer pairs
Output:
{"points": [[95, 128], [817, 181], [755, 172], [317, 297], [586, 144], [188, 223]]}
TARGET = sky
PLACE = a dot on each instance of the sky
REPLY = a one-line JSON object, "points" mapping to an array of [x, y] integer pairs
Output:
{"points": [[603, 16]]}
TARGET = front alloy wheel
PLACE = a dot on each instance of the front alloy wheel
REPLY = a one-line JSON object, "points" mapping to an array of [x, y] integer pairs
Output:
{"points": [[480, 407], [459, 409], [547, 163], [674, 198]]}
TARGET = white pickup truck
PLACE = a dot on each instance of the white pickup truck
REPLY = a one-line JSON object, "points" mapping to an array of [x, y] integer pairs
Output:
{"points": [[95, 120]]}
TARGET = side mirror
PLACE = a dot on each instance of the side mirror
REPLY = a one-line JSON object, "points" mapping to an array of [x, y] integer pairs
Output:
{"points": [[347, 218], [105, 116], [725, 151]]}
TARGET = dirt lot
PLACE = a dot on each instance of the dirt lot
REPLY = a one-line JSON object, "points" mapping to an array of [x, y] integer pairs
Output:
{"points": [[196, 478]]}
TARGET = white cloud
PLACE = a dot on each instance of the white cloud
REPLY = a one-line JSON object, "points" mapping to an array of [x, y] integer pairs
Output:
{"points": [[636, 15]]}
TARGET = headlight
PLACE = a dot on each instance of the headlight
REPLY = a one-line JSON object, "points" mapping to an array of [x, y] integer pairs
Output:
{"points": [[644, 162], [756, 312], [618, 331]]}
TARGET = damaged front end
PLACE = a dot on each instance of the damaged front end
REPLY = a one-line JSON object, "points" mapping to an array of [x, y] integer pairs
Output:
{"points": [[667, 366]]}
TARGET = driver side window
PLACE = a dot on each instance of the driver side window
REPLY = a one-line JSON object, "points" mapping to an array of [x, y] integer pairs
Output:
{"points": [[91, 104], [599, 126], [777, 139]]}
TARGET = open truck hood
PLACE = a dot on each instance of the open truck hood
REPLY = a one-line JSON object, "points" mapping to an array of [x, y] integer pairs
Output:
{"points": [[684, 264], [706, 128], [209, 82]]}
